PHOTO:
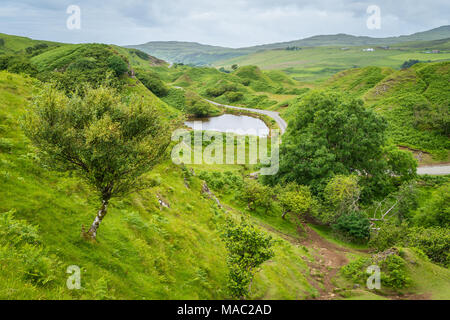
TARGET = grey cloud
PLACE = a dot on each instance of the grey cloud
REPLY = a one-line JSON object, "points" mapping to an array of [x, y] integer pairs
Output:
{"points": [[220, 22]]}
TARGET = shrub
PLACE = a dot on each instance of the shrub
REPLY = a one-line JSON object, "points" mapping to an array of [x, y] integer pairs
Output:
{"points": [[394, 273], [234, 96], [153, 83], [434, 242], [389, 235], [435, 212], [393, 270], [257, 195], [342, 196], [117, 64], [354, 225], [248, 248], [295, 199]]}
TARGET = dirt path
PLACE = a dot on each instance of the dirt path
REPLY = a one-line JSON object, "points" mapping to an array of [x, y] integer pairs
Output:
{"points": [[329, 259]]}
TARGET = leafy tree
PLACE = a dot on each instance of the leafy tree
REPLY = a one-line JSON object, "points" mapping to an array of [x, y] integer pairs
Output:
{"points": [[295, 199], [248, 248], [342, 194], [234, 67], [107, 140], [330, 136], [117, 64], [257, 195]]}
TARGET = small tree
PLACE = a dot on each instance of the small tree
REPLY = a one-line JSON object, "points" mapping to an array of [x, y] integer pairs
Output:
{"points": [[248, 248], [295, 199], [342, 195], [234, 67], [109, 141], [257, 195]]}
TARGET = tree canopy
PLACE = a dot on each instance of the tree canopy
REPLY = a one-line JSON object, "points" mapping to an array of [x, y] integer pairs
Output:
{"points": [[331, 135], [109, 140]]}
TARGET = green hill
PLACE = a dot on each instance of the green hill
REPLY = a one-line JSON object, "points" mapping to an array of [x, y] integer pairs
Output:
{"points": [[187, 52], [199, 54], [144, 251], [415, 101], [16, 44], [311, 64]]}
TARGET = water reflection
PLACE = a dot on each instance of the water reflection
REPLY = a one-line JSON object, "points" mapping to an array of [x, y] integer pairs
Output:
{"points": [[239, 124]]}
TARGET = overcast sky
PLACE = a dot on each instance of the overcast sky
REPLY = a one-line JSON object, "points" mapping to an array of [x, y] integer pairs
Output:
{"points": [[232, 23]]}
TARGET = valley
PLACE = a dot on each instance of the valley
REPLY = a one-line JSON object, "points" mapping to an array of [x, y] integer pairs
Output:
{"points": [[363, 175]]}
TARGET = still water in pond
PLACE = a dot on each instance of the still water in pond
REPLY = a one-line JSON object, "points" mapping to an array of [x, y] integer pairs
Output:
{"points": [[231, 123]]}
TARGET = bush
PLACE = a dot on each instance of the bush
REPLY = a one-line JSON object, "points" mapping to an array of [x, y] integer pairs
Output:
{"points": [[295, 199], [393, 270], [434, 242], [435, 212], [153, 83], [257, 195], [248, 248], [222, 181], [389, 235], [342, 196], [117, 64], [234, 96], [409, 63], [18, 64], [354, 225]]}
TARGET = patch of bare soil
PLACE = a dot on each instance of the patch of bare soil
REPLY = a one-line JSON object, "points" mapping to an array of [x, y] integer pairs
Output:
{"points": [[329, 259]]}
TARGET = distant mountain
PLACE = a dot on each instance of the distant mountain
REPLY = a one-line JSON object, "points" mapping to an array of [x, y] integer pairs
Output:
{"points": [[200, 54], [349, 40], [188, 52]]}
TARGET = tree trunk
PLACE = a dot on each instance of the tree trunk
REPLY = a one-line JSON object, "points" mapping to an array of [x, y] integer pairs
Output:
{"points": [[98, 219], [284, 214]]}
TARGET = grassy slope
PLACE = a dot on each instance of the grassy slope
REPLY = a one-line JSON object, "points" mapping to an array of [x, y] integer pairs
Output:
{"points": [[393, 94], [13, 44], [318, 63], [199, 54], [143, 252]]}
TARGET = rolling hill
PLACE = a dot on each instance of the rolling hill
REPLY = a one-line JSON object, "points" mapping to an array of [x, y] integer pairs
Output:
{"points": [[199, 54]]}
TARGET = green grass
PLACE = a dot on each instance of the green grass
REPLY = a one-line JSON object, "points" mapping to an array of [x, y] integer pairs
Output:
{"points": [[326, 233], [15, 44], [143, 251], [315, 64]]}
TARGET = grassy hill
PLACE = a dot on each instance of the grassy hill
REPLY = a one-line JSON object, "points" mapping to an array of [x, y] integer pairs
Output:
{"points": [[15, 44], [188, 52], [199, 54], [312, 64], [144, 251], [414, 101]]}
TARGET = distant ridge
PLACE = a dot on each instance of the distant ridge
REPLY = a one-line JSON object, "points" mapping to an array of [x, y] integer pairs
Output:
{"points": [[201, 54]]}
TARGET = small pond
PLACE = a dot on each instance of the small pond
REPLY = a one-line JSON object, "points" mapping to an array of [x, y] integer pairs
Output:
{"points": [[238, 124]]}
